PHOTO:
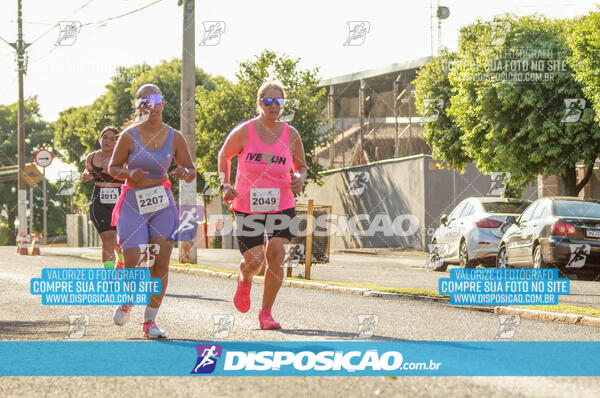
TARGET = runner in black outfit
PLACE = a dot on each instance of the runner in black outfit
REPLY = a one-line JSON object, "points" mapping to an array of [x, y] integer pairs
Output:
{"points": [[105, 194]]}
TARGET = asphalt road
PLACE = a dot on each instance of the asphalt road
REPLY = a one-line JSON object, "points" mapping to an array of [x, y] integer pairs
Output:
{"points": [[187, 314]]}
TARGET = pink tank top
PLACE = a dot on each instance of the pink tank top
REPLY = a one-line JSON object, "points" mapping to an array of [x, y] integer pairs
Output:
{"points": [[263, 175]]}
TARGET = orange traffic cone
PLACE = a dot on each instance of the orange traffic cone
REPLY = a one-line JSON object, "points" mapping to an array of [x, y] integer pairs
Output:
{"points": [[23, 251], [19, 241], [35, 245]]}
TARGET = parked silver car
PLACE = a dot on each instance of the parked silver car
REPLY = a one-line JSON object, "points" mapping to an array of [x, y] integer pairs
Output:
{"points": [[470, 234]]}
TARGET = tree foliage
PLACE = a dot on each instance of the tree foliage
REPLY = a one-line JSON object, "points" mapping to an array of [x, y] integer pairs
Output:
{"points": [[511, 94], [229, 104], [584, 41], [432, 95], [37, 135]]}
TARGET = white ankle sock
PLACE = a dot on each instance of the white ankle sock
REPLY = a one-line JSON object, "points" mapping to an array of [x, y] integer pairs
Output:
{"points": [[150, 314]]}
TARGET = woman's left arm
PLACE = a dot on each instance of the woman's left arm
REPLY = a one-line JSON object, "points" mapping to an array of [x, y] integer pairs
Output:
{"points": [[298, 161], [185, 166]]}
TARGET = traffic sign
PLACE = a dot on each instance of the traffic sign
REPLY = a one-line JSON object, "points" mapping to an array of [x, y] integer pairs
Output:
{"points": [[31, 175], [43, 157]]}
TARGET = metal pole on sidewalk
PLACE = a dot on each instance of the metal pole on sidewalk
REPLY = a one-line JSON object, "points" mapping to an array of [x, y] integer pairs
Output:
{"points": [[30, 210], [188, 250], [45, 238]]}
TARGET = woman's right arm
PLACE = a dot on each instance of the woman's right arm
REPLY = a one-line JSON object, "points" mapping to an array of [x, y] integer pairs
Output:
{"points": [[86, 175], [234, 144]]}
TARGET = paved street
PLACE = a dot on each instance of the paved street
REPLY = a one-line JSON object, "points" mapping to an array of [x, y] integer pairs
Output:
{"points": [[400, 269], [187, 314]]}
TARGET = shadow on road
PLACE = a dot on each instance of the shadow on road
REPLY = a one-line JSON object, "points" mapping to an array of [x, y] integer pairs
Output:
{"points": [[195, 297], [337, 335], [14, 328]]}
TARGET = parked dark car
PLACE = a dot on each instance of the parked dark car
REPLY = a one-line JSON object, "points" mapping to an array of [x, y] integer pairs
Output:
{"points": [[471, 233], [559, 232]]}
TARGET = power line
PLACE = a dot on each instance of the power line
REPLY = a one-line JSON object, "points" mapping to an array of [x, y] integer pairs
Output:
{"points": [[55, 25], [103, 21]]}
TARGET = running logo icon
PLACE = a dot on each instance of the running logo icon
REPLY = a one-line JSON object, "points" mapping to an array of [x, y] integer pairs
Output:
{"points": [[67, 179], [358, 182], [573, 110], [207, 358], [437, 254], [77, 325], [508, 326], [212, 182], [579, 254], [148, 254], [187, 226], [212, 33], [357, 33], [294, 253], [68, 33], [432, 106], [223, 324], [288, 111], [366, 326], [498, 183]]}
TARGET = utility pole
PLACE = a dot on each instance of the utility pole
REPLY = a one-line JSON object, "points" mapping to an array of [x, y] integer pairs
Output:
{"points": [[188, 250], [20, 46]]}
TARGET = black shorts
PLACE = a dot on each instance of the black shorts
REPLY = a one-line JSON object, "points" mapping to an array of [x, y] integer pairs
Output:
{"points": [[250, 228], [101, 213]]}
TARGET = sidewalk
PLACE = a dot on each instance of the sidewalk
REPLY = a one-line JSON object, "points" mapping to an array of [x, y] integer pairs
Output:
{"points": [[400, 269]]}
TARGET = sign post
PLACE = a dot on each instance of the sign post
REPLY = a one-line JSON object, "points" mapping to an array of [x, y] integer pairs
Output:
{"points": [[43, 158]]}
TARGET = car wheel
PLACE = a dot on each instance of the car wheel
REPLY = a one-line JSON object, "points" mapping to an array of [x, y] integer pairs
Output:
{"points": [[502, 258], [463, 256], [538, 259], [440, 266]]}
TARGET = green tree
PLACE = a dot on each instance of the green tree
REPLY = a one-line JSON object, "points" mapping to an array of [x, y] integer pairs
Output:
{"points": [[432, 95], [229, 104], [37, 135], [511, 123], [584, 41]]}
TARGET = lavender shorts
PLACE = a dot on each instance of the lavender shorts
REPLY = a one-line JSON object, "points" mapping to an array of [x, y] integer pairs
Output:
{"points": [[134, 229]]}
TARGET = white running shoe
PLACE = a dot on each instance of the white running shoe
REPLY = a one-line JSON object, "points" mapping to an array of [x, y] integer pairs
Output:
{"points": [[122, 314], [152, 331]]}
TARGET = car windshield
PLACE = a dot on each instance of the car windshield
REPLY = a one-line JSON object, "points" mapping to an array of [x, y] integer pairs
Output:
{"points": [[576, 208], [505, 207]]}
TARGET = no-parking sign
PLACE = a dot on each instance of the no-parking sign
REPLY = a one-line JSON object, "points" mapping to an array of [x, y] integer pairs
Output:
{"points": [[43, 157]]}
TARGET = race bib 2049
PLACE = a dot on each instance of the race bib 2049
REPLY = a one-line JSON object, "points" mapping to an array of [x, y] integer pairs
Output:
{"points": [[264, 199]]}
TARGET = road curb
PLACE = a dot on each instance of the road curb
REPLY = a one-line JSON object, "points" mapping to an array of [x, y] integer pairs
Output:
{"points": [[539, 315]]}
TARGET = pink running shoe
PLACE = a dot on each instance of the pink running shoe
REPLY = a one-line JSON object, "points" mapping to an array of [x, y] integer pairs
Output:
{"points": [[241, 300], [266, 320], [152, 331]]}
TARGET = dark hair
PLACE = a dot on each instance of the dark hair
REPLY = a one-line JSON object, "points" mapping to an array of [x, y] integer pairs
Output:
{"points": [[108, 128]]}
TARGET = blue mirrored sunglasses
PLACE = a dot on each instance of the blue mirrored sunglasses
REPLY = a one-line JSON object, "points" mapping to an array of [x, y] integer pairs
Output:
{"points": [[268, 101]]}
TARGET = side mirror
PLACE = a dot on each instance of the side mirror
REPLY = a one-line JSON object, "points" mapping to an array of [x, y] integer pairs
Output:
{"points": [[444, 219], [510, 220]]}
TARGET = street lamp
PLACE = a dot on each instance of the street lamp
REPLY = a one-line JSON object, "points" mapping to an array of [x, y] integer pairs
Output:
{"points": [[442, 13]]}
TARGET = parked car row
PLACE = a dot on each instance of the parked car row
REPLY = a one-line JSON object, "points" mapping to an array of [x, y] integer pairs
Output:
{"points": [[561, 232]]}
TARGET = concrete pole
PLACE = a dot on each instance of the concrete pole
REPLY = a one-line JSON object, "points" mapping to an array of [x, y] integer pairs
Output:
{"points": [[22, 190], [187, 191]]}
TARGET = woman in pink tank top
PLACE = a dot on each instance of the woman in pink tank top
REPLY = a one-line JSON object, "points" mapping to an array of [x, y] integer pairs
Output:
{"points": [[271, 169]]}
